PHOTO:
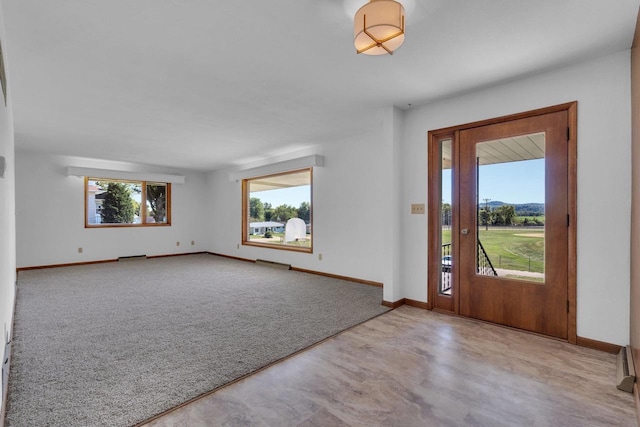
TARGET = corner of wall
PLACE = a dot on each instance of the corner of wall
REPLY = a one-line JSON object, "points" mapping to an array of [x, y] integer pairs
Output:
{"points": [[7, 225], [634, 318], [392, 131]]}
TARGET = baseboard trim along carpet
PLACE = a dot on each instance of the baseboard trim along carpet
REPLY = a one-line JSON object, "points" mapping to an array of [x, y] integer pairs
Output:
{"points": [[303, 270], [70, 264], [237, 258], [339, 277], [103, 261], [273, 264], [132, 258]]}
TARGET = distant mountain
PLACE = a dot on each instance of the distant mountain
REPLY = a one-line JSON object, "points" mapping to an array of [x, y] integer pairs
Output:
{"points": [[522, 209]]}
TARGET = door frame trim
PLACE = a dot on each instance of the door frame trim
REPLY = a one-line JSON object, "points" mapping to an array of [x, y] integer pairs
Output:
{"points": [[433, 196]]}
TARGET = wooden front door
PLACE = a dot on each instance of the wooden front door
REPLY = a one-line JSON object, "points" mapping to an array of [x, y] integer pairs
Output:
{"points": [[513, 227]]}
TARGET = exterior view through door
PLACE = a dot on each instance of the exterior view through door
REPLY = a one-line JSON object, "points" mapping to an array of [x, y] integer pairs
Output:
{"points": [[502, 248]]}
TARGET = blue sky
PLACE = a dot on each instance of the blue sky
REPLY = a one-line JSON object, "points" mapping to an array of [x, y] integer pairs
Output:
{"points": [[513, 183], [293, 196]]}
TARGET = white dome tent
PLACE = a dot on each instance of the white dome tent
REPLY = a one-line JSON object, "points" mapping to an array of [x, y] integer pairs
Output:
{"points": [[295, 230]]}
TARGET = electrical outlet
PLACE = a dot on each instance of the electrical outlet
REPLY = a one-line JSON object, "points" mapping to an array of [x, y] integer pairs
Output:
{"points": [[238, 246], [177, 243], [193, 242], [319, 257], [417, 209], [79, 250]]}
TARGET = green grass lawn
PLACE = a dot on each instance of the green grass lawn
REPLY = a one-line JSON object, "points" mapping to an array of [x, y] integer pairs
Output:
{"points": [[513, 249]]}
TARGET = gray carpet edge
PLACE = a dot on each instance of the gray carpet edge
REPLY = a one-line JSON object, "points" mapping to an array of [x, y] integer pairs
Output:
{"points": [[245, 376], [36, 397]]}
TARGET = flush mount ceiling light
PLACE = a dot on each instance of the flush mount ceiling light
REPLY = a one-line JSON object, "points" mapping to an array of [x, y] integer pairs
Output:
{"points": [[379, 27]]}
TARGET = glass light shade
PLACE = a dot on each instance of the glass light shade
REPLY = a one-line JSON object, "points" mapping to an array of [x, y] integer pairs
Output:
{"points": [[379, 24]]}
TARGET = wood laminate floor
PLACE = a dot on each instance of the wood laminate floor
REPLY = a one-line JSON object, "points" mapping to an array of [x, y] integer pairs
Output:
{"points": [[412, 367]]}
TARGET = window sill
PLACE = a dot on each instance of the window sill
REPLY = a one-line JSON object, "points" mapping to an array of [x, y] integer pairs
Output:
{"points": [[279, 247]]}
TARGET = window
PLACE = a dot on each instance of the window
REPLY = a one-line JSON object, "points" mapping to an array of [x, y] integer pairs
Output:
{"points": [[277, 211], [118, 203]]}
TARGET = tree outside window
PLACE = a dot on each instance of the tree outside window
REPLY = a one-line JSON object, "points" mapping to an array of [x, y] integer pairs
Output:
{"points": [[110, 202]]}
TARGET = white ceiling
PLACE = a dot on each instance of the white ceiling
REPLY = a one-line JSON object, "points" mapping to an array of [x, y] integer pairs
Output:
{"points": [[279, 181], [205, 84], [507, 150]]}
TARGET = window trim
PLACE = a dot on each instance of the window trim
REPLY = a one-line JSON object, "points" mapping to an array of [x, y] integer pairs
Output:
{"points": [[143, 196], [245, 213]]}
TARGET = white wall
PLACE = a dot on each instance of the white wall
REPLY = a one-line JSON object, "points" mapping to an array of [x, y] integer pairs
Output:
{"points": [[384, 172], [352, 204], [602, 89], [7, 216], [50, 215], [362, 224]]}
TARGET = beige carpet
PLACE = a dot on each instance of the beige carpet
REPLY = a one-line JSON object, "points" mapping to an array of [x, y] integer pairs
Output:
{"points": [[114, 344]]}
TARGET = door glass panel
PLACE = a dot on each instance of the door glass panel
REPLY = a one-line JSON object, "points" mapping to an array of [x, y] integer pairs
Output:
{"points": [[510, 202], [445, 217]]}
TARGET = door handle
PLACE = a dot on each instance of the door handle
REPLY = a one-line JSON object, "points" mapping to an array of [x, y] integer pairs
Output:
{"points": [[464, 231]]}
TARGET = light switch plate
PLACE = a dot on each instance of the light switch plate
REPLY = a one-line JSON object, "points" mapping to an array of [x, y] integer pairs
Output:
{"points": [[3, 166], [417, 209]]}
